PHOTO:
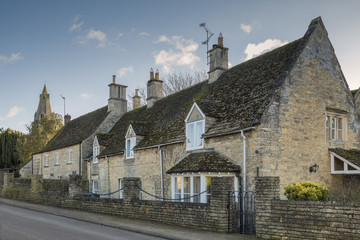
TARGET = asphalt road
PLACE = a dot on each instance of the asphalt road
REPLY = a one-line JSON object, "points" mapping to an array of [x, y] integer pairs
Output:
{"points": [[22, 224]]}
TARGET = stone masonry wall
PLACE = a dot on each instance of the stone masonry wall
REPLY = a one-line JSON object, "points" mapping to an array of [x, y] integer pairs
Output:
{"points": [[282, 219], [218, 215], [64, 168]]}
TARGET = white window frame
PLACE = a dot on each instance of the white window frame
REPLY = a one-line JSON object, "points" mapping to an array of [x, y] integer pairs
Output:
{"points": [[335, 125], [121, 186], [195, 137], [96, 152], [95, 186], [69, 156], [346, 165], [57, 159], [46, 160], [204, 198]]}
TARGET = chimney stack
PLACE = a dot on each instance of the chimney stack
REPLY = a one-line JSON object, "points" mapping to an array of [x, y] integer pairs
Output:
{"points": [[218, 60], [117, 98], [154, 88], [136, 99], [67, 119]]}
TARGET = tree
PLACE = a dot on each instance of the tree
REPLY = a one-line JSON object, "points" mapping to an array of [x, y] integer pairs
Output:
{"points": [[173, 83], [8, 155], [40, 133]]}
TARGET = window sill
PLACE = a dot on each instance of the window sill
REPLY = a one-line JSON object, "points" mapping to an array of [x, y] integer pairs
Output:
{"points": [[46, 166], [57, 164], [68, 163], [127, 158], [193, 149]]}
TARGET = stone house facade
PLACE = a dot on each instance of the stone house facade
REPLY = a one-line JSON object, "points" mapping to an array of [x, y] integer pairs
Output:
{"points": [[286, 113]]}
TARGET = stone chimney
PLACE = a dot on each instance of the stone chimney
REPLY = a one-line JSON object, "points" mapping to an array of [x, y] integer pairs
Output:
{"points": [[218, 60], [67, 119], [154, 88], [117, 97], [136, 99]]}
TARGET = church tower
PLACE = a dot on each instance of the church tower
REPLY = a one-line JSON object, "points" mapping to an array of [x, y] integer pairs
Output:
{"points": [[44, 107]]}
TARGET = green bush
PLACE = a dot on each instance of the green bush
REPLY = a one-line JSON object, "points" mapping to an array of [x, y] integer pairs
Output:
{"points": [[306, 191]]}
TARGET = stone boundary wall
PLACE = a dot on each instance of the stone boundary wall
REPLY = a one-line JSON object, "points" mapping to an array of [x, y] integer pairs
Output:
{"points": [[283, 219], [217, 216]]}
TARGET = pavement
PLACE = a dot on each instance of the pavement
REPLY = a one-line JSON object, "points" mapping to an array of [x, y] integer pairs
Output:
{"points": [[133, 225]]}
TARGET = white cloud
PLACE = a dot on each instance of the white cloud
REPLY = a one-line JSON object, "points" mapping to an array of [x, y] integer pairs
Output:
{"points": [[246, 28], [230, 65], [143, 34], [125, 70], [120, 34], [86, 95], [76, 24], [98, 36], [182, 55], [252, 50], [14, 57], [12, 113]]}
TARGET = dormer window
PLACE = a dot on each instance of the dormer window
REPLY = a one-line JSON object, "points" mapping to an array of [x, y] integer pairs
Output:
{"points": [[96, 152], [195, 128], [130, 142]]}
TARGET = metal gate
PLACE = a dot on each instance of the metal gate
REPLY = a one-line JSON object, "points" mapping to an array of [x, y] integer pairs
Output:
{"points": [[245, 208]]}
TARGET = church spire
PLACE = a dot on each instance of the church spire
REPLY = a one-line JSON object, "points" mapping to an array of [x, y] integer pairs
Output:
{"points": [[44, 107]]}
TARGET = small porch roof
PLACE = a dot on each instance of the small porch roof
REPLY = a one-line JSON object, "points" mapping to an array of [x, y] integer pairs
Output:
{"points": [[350, 159], [205, 161]]}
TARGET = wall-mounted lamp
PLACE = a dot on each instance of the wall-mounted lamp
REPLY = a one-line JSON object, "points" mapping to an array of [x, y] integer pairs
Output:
{"points": [[314, 168]]}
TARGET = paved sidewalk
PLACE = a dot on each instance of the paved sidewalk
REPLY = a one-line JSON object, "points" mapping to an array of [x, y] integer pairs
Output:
{"points": [[133, 225]]}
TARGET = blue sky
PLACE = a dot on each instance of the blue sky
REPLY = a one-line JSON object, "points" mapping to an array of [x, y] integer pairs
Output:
{"points": [[76, 46]]}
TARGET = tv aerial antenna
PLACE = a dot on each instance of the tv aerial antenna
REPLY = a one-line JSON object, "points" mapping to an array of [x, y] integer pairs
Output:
{"points": [[209, 34], [64, 104]]}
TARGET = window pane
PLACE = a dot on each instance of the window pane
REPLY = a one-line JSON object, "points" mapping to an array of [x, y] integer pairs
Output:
{"points": [[186, 189], [177, 187], [128, 147], [190, 135], [327, 128], [208, 189], [333, 128], [121, 186], [196, 189], [339, 124], [199, 132]]}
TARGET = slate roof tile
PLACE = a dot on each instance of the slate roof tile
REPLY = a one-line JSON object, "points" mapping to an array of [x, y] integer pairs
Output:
{"points": [[77, 130]]}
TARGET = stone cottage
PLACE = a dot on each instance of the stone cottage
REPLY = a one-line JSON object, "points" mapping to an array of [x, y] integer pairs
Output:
{"points": [[65, 153], [286, 113]]}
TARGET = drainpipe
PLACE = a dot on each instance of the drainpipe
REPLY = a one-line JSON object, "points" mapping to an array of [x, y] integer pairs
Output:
{"points": [[161, 173], [89, 175], [244, 177], [108, 177]]}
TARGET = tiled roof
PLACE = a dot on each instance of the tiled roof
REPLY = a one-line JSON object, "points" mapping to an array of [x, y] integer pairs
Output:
{"points": [[205, 161], [77, 130], [237, 100], [352, 155]]}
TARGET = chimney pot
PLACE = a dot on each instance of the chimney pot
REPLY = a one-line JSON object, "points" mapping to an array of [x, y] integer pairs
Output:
{"points": [[67, 119], [114, 78], [221, 40], [157, 75], [137, 92], [152, 74]]}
